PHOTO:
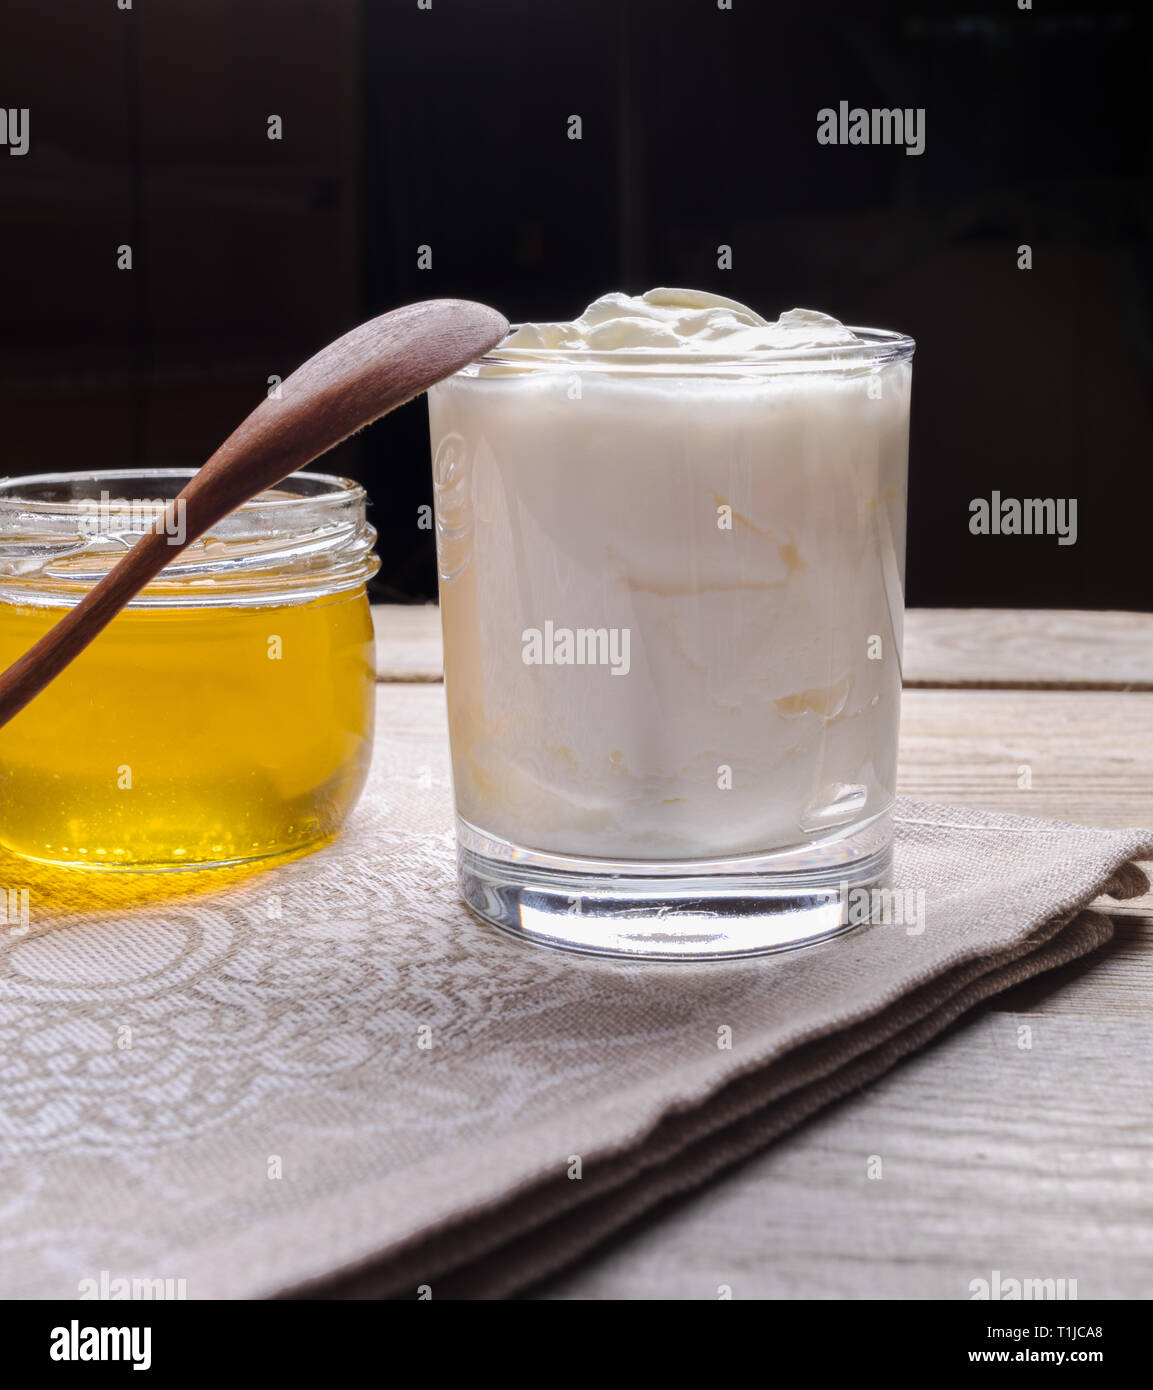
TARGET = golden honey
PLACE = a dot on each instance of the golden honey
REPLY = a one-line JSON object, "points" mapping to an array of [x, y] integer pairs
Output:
{"points": [[227, 718]]}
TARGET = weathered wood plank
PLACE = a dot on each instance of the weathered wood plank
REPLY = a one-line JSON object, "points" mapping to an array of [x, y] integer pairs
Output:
{"points": [[947, 647], [1028, 647], [1067, 755], [1072, 755], [1033, 1162], [408, 643]]}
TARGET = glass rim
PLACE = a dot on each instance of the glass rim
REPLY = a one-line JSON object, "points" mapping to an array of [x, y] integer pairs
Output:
{"points": [[878, 346]]}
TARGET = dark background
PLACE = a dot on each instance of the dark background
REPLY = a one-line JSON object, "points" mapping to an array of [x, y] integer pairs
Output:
{"points": [[447, 127]]}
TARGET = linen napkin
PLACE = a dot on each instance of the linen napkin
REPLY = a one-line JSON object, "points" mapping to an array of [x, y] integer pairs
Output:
{"points": [[328, 1079]]}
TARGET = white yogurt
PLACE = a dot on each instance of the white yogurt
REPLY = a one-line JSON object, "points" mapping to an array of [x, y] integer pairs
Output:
{"points": [[662, 467]]}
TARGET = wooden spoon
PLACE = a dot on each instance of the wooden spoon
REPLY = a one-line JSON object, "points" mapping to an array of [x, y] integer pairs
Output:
{"points": [[346, 386]]}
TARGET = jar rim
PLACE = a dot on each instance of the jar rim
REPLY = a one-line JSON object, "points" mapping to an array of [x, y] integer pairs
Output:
{"points": [[340, 490], [304, 539]]}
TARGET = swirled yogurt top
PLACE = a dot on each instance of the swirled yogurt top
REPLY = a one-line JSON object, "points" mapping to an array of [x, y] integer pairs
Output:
{"points": [[679, 320]]}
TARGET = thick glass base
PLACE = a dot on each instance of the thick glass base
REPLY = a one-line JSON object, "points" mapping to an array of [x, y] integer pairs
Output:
{"points": [[676, 910]]}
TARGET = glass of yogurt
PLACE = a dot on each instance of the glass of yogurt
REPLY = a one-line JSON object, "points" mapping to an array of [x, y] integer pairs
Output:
{"points": [[670, 538]]}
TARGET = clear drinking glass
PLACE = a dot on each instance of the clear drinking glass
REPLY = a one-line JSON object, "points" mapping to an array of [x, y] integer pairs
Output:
{"points": [[671, 588]]}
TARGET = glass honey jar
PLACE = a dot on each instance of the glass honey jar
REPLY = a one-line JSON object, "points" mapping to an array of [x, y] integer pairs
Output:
{"points": [[226, 714]]}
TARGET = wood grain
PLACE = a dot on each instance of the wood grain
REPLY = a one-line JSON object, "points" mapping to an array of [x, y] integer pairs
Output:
{"points": [[944, 647], [1058, 648], [408, 642], [1085, 755], [1036, 1163]]}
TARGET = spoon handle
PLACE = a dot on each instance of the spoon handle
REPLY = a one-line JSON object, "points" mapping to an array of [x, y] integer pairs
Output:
{"points": [[347, 385]]}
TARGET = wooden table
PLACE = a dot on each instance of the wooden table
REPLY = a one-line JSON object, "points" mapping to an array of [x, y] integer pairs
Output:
{"points": [[1035, 1161]]}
